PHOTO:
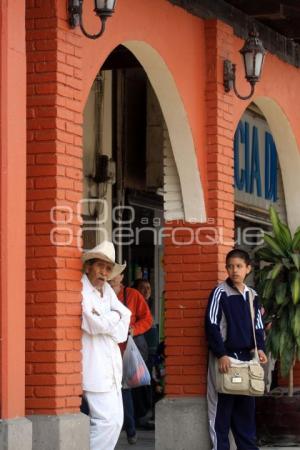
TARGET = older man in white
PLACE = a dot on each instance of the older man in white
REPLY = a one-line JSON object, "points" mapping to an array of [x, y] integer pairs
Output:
{"points": [[105, 323]]}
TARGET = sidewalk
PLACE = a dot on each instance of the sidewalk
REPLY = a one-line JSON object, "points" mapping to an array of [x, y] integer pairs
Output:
{"points": [[146, 441]]}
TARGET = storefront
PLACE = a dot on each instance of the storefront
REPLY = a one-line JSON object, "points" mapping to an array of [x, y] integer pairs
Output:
{"points": [[257, 179]]}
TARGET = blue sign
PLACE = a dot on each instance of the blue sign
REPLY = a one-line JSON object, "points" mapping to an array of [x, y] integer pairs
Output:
{"points": [[248, 176]]}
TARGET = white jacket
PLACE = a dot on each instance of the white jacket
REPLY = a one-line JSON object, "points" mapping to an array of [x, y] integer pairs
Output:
{"points": [[103, 329]]}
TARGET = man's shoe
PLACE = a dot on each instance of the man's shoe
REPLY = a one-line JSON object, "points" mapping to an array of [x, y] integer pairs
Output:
{"points": [[132, 439]]}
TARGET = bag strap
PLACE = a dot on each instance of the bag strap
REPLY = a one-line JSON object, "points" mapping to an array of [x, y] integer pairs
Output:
{"points": [[251, 304], [125, 304]]}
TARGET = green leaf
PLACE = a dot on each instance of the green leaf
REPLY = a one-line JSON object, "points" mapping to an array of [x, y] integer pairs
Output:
{"points": [[281, 231], [296, 240], [280, 293], [296, 259], [275, 271], [284, 323], [285, 237], [265, 254], [283, 341], [287, 357], [287, 263], [273, 341], [295, 287], [273, 245], [275, 221], [268, 289], [296, 322]]}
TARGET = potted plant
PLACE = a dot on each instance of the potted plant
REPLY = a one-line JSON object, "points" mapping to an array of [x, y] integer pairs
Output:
{"points": [[278, 284]]}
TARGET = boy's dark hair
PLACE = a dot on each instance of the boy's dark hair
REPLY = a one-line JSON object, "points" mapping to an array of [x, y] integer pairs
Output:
{"points": [[238, 253]]}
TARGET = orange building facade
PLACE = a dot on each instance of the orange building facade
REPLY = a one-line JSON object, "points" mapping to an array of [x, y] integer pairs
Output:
{"points": [[47, 72]]}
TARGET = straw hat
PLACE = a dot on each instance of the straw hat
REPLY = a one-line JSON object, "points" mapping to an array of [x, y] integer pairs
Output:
{"points": [[106, 252]]}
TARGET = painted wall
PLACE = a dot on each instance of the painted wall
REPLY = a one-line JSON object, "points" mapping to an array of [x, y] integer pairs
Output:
{"points": [[13, 188]]}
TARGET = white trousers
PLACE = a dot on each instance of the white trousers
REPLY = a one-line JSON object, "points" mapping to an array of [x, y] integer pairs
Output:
{"points": [[106, 418]]}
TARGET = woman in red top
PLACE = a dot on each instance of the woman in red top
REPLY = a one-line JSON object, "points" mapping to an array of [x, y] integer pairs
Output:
{"points": [[141, 321]]}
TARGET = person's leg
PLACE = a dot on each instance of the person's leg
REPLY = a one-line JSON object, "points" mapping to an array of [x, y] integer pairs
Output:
{"points": [[106, 413], [219, 411], [222, 421], [142, 403], [129, 422], [243, 423]]}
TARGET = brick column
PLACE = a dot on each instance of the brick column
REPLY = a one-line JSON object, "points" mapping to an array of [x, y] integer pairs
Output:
{"points": [[54, 175], [220, 134], [15, 429], [188, 271], [193, 269]]}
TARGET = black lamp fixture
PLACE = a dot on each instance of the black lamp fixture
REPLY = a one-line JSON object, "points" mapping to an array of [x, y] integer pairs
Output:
{"points": [[253, 54], [103, 9]]}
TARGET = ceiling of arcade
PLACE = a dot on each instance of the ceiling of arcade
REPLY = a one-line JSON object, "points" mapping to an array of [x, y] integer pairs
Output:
{"points": [[281, 16], [278, 21]]}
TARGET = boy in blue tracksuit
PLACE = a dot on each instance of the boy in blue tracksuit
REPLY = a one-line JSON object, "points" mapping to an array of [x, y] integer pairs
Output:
{"points": [[229, 333]]}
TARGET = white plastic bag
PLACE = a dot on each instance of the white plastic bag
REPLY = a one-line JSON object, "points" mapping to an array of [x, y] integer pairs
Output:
{"points": [[135, 372]]}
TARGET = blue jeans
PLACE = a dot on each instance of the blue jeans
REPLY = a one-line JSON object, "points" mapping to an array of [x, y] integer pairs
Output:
{"points": [[129, 422]]}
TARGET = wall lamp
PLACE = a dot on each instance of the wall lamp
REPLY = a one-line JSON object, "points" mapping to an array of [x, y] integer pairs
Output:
{"points": [[103, 9], [253, 54]]}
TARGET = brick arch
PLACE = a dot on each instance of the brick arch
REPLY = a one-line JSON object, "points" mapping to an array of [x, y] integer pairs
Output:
{"points": [[288, 155]]}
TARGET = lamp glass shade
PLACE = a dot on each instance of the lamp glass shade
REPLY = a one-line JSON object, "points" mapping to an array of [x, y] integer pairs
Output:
{"points": [[259, 57], [253, 65], [105, 5], [253, 54], [248, 63]]}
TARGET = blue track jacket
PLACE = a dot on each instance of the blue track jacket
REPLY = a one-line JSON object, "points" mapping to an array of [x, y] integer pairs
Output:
{"points": [[228, 321]]}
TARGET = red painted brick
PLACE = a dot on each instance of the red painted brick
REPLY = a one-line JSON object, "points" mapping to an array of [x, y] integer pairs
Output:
{"points": [[174, 390]]}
